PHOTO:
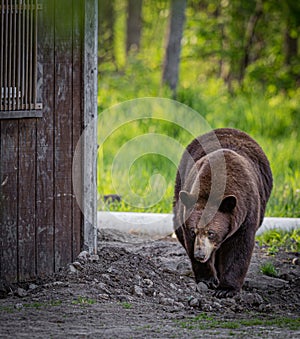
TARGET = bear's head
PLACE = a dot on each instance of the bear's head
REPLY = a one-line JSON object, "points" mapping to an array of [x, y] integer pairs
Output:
{"points": [[204, 231]]}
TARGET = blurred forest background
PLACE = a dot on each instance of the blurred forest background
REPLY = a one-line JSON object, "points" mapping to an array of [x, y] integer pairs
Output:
{"points": [[237, 63]]}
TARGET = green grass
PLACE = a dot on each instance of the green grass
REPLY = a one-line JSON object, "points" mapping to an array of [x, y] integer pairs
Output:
{"points": [[269, 269], [204, 321], [270, 117], [277, 239], [83, 301], [126, 305], [33, 305], [273, 128]]}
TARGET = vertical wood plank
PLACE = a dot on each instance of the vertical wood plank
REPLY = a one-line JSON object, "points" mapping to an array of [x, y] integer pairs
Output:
{"points": [[78, 9], [27, 199], [63, 133], [9, 201], [45, 143], [1, 203], [90, 125]]}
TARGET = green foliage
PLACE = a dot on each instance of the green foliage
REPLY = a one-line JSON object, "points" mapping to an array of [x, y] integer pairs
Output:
{"points": [[269, 269], [265, 105], [276, 239], [83, 301], [270, 119]]}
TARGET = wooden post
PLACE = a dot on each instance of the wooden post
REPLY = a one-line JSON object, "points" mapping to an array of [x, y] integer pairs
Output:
{"points": [[89, 203]]}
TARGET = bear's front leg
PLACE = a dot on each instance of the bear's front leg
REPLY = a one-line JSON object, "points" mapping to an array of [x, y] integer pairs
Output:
{"points": [[232, 261], [205, 272]]}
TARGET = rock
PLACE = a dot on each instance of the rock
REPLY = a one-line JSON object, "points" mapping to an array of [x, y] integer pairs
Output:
{"points": [[138, 291], [111, 270], [149, 283], [19, 306], [149, 291], [167, 301], [94, 258], [228, 302], [194, 302], [288, 277], [104, 288], [103, 296], [113, 235], [252, 299], [32, 286], [184, 268], [105, 276], [296, 282], [137, 277], [123, 298], [296, 261], [84, 255], [20, 292], [173, 286], [201, 287], [263, 282], [265, 308], [60, 283], [238, 309], [77, 265], [72, 269], [206, 308], [179, 304], [216, 306]]}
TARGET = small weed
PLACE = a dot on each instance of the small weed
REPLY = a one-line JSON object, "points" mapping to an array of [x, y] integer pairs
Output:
{"points": [[269, 269], [126, 305], [83, 301], [55, 302], [144, 327], [272, 250], [276, 238], [232, 325], [7, 309]]}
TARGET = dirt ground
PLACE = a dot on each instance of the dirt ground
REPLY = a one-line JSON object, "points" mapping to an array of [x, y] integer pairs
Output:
{"points": [[143, 288]]}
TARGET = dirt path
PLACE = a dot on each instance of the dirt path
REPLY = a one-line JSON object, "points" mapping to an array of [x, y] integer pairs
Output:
{"points": [[140, 288]]}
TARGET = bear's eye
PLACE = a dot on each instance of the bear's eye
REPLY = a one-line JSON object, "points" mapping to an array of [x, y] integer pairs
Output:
{"points": [[211, 234], [192, 232]]}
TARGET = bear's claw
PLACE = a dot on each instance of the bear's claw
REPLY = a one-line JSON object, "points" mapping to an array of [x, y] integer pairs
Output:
{"points": [[225, 293], [212, 283]]}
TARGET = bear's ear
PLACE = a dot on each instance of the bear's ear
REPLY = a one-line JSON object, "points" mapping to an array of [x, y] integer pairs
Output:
{"points": [[188, 199], [228, 204]]}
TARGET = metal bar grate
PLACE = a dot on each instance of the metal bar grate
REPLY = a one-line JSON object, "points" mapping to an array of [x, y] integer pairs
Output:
{"points": [[18, 55]]}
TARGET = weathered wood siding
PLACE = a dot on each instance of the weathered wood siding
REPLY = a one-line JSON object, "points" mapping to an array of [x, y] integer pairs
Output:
{"points": [[41, 225]]}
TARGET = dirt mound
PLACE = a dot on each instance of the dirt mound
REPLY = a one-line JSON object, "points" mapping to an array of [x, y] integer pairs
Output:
{"points": [[142, 281]]}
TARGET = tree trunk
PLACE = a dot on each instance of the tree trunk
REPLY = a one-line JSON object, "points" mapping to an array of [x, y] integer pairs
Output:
{"points": [[290, 46], [106, 17], [134, 25], [173, 49], [249, 37]]}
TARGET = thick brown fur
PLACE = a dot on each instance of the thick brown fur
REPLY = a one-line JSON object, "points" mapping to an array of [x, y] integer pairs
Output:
{"points": [[222, 187]]}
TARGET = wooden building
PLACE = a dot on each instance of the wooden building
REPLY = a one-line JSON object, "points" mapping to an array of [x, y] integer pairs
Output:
{"points": [[48, 82]]}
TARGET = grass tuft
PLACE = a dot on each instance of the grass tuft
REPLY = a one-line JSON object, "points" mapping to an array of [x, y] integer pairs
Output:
{"points": [[269, 269]]}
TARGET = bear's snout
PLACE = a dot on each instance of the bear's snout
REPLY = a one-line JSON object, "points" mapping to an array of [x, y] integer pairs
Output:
{"points": [[203, 249], [199, 256]]}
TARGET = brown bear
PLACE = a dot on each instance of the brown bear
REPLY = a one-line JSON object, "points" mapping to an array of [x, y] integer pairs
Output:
{"points": [[222, 187]]}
